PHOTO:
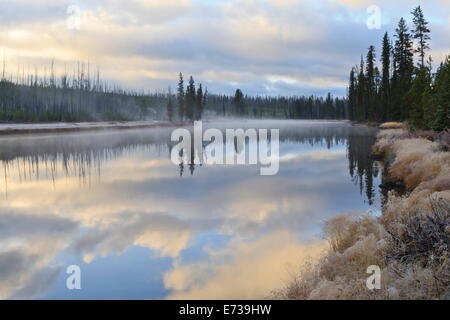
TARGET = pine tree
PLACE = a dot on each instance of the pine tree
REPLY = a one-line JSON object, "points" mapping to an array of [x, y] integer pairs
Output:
{"points": [[190, 99], [329, 106], [205, 100], [421, 33], [376, 98], [170, 110], [170, 106], [442, 121], [361, 94], [238, 102], [370, 79], [352, 95], [429, 105], [199, 103], [403, 57], [385, 79], [415, 97], [400, 91], [442, 97], [181, 98]]}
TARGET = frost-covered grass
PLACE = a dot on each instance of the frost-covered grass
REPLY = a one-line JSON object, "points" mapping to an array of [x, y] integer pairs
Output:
{"points": [[356, 241], [393, 125], [410, 242], [419, 162]]}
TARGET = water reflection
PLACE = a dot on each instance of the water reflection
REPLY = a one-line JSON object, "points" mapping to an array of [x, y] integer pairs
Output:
{"points": [[82, 155], [94, 199]]}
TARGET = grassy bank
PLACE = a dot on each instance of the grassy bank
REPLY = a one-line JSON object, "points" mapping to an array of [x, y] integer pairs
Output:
{"points": [[410, 241], [56, 127]]}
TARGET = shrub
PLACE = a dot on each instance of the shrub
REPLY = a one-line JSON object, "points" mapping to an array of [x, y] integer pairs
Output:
{"points": [[423, 238]]}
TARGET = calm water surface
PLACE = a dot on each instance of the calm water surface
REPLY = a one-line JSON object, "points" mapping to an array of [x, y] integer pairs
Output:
{"points": [[141, 227]]}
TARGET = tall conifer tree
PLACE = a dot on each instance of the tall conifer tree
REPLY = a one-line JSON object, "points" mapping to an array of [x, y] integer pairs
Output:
{"points": [[385, 89], [370, 78], [421, 34], [403, 56], [190, 99], [181, 98], [352, 96]]}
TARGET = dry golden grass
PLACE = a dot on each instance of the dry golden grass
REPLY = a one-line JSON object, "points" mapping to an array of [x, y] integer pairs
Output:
{"points": [[344, 230], [386, 139], [419, 161], [356, 243]]}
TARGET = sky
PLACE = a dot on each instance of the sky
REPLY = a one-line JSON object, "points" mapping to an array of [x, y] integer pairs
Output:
{"points": [[264, 47]]}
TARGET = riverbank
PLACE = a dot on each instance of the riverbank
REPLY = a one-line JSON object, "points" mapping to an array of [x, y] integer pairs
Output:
{"points": [[409, 242], [54, 127], [10, 128]]}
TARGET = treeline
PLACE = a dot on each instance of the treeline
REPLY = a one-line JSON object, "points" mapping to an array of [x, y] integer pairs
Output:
{"points": [[79, 97], [312, 107], [402, 90], [192, 103], [83, 96]]}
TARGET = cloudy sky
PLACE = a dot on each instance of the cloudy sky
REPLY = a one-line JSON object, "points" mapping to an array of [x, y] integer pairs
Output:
{"points": [[267, 47]]}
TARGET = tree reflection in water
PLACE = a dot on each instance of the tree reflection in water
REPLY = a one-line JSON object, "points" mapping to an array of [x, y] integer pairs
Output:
{"points": [[83, 155]]}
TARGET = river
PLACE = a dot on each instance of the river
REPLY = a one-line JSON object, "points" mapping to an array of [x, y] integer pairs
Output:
{"points": [[140, 227]]}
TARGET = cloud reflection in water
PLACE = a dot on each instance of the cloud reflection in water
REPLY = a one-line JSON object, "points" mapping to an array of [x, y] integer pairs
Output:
{"points": [[93, 195]]}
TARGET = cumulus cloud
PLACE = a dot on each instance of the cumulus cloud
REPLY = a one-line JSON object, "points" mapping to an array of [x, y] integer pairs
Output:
{"points": [[262, 46], [29, 243], [14, 225], [242, 270], [162, 232]]}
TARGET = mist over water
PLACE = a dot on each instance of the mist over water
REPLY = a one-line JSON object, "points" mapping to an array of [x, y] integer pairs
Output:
{"points": [[141, 227]]}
